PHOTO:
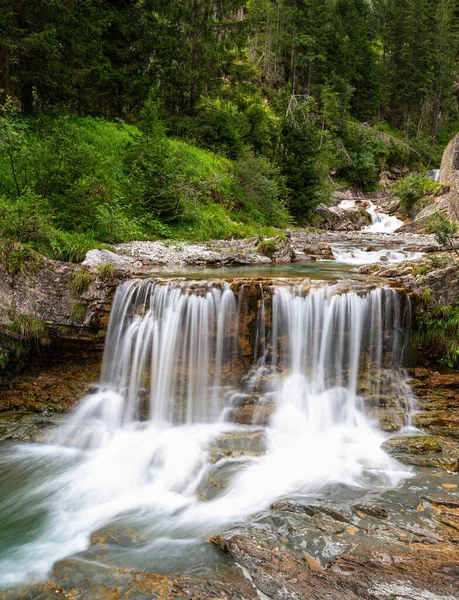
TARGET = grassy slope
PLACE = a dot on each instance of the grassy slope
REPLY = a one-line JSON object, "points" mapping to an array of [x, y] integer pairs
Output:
{"points": [[93, 201]]}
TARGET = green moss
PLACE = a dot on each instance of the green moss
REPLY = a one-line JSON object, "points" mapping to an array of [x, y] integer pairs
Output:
{"points": [[79, 281]]}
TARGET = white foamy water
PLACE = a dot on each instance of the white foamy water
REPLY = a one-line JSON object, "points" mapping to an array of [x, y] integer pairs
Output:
{"points": [[380, 222], [346, 204], [356, 256], [137, 451]]}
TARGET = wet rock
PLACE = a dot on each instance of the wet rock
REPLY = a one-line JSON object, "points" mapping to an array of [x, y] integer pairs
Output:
{"points": [[324, 552], [127, 584], [425, 451], [251, 414], [54, 380], [373, 511], [416, 444], [238, 400], [26, 427], [238, 443]]}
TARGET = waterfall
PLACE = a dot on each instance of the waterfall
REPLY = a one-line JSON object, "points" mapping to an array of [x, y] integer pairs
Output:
{"points": [[381, 223], [136, 451], [173, 342]]}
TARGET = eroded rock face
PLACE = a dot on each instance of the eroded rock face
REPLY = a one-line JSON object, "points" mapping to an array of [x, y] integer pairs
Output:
{"points": [[449, 171], [47, 295], [53, 331]]}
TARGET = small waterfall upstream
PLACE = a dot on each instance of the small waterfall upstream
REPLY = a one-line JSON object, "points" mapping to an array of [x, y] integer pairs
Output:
{"points": [[382, 223], [136, 452]]}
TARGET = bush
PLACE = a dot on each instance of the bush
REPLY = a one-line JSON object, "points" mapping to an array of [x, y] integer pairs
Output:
{"points": [[267, 247], [437, 333], [412, 188], [445, 231], [25, 219], [259, 191]]}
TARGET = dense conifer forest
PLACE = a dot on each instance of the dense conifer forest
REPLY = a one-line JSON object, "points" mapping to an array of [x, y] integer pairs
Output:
{"points": [[198, 119]]}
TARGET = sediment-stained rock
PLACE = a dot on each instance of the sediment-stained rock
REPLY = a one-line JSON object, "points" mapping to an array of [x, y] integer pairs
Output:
{"points": [[298, 551]]}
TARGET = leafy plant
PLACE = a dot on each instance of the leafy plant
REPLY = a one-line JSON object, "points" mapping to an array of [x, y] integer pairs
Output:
{"points": [[267, 247], [445, 231], [27, 330], [437, 333], [412, 188], [18, 258]]}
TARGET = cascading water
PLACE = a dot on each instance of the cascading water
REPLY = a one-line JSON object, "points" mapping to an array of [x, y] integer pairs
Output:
{"points": [[381, 223], [136, 452]]}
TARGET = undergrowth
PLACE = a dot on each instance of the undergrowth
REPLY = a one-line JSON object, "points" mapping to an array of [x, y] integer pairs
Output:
{"points": [[437, 332]]}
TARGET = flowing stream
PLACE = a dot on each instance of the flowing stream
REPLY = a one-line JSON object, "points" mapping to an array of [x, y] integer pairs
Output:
{"points": [[137, 453], [382, 223]]}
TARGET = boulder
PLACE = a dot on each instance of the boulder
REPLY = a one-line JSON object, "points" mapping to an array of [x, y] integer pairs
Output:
{"points": [[335, 218]]}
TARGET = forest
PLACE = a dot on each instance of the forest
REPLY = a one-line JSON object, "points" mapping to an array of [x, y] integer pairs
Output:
{"points": [[141, 119]]}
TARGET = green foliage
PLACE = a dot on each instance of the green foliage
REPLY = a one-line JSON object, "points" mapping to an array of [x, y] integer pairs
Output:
{"points": [[412, 188], [17, 258], [437, 333], [79, 281], [445, 231], [260, 192], [79, 312], [427, 296], [267, 247], [27, 330], [106, 272]]}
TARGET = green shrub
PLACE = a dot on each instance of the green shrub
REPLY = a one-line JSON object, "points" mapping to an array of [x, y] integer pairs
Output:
{"points": [[437, 334], [259, 191], [412, 188], [267, 247], [445, 231], [25, 219], [18, 258], [27, 330]]}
